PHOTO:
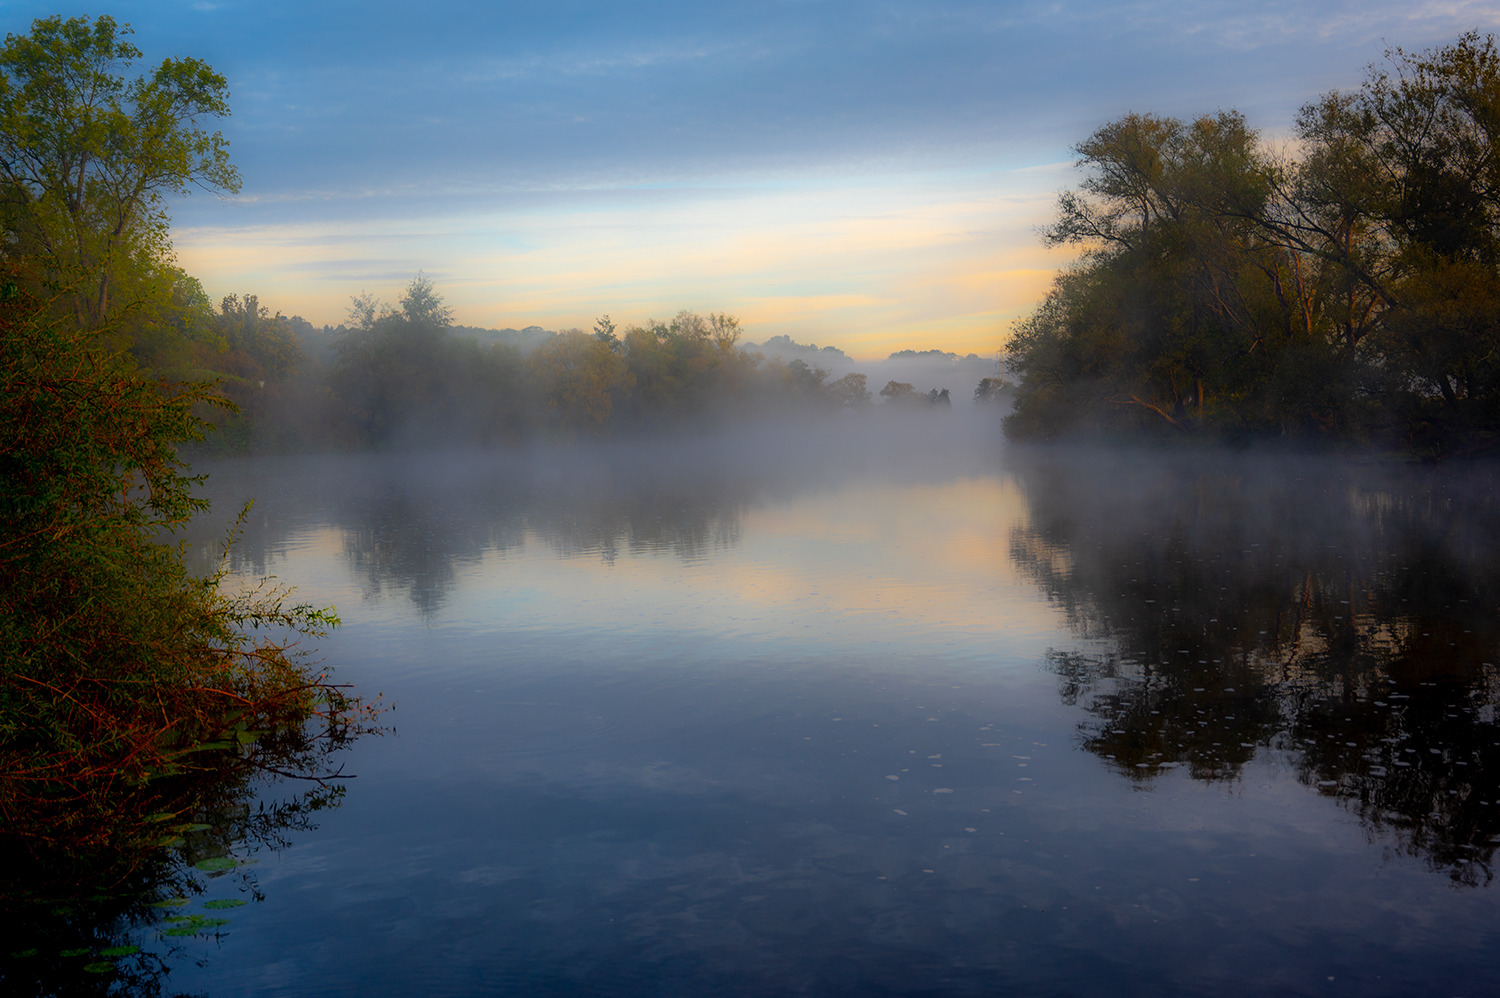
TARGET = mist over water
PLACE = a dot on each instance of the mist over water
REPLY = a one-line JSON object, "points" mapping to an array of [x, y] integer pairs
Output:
{"points": [[863, 708]]}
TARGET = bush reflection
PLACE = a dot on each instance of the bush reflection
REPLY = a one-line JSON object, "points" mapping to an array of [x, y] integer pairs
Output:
{"points": [[109, 908]]}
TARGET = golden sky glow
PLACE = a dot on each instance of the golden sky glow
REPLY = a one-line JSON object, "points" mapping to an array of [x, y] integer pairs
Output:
{"points": [[871, 268]]}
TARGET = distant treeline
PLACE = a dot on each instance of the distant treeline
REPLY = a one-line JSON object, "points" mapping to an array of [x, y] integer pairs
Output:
{"points": [[404, 375], [1346, 290]]}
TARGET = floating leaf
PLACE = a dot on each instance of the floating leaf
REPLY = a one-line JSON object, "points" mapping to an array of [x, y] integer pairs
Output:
{"points": [[119, 951], [74, 952], [24, 953], [212, 746], [216, 864], [99, 967], [196, 826], [223, 903], [195, 925], [170, 903]]}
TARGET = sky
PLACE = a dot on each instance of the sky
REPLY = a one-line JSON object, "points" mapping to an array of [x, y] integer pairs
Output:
{"points": [[865, 175]]}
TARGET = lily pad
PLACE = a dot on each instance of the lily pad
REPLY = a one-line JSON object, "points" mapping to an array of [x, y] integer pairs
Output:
{"points": [[119, 951], [99, 967], [195, 925], [74, 952], [169, 903], [223, 903], [216, 864]]}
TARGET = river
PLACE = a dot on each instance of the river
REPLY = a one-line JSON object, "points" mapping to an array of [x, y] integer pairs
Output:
{"points": [[905, 713]]}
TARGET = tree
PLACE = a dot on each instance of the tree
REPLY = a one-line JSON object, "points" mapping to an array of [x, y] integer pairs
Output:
{"points": [[992, 391], [604, 332], [898, 392], [89, 155], [400, 376], [682, 367], [578, 378], [849, 392], [391, 369], [421, 305], [1191, 309], [261, 346]]}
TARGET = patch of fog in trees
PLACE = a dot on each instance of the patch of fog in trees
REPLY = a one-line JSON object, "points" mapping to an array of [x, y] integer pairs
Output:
{"points": [[404, 378]]}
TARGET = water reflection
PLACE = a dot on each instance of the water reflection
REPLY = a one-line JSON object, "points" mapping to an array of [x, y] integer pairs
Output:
{"points": [[1340, 618], [113, 907], [413, 524]]}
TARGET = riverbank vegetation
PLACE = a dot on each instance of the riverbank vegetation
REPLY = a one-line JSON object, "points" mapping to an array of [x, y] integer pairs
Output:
{"points": [[119, 670], [1345, 288]]}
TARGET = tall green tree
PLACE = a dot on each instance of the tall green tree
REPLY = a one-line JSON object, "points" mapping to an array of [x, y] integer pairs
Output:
{"points": [[89, 155]]}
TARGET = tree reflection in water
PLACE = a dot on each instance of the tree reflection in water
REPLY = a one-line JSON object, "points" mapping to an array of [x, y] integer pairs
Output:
{"points": [[109, 909], [411, 525], [1336, 617]]}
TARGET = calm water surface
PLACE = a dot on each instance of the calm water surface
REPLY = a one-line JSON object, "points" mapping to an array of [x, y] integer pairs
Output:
{"points": [[841, 717]]}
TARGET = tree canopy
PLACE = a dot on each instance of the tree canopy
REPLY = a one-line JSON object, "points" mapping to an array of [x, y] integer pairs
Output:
{"points": [[89, 154], [1348, 291]]}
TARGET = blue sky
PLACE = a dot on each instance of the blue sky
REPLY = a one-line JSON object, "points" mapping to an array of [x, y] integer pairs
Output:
{"points": [[866, 175]]}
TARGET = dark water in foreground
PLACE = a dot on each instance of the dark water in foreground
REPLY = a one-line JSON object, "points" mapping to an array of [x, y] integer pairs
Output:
{"points": [[850, 719]]}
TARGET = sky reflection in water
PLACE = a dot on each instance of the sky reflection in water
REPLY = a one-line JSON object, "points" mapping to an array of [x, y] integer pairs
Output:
{"points": [[869, 721]]}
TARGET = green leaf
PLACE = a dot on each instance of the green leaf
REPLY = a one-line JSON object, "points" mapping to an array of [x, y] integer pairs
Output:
{"points": [[119, 951], [170, 903], [194, 925], [99, 967], [223, 903], [216, 864], [74, 952]]}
